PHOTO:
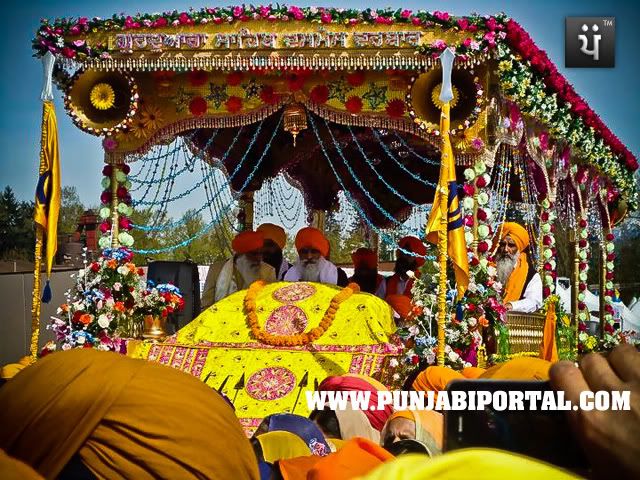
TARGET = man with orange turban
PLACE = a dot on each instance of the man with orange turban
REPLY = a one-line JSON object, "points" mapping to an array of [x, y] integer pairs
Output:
{"points": [[365, 270], [275, 240], [522, 285], [401, 282], [238, 272], [312, 266]]}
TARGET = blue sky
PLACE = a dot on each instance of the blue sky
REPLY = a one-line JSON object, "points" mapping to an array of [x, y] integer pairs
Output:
{"points": [[612, 93]]}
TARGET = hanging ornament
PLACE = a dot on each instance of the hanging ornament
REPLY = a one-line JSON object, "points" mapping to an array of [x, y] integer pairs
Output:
{"points": [[295, 120]]}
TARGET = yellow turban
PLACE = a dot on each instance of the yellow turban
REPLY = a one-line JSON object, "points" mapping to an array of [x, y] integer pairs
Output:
{"points": [[435, 379], [476, 463], [517, 233], [522, 368], [12, 469], [274, 233], [247, 241], [310, 237], [125, 418]]}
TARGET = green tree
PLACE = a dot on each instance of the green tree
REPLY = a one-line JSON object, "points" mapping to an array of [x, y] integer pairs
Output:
{"points": [[71, 209], [17, 236]]}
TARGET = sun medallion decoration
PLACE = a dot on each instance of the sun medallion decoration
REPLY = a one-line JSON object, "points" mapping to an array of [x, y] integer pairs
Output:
{"points": [[102, 96]]}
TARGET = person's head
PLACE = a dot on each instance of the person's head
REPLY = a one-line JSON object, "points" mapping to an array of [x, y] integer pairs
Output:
{"points": [[312, 245], [405, 447], [275, 240], [98, 395], [514, 240], [327, 422], [247, 247], [398, 428], [365, 263], [406, 261]]}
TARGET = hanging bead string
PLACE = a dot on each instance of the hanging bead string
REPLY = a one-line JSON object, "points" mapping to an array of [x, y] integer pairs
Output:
{"points": [[189, 158], [161, 213], [379, 207], [183, 220], [398, 163], [222, 240], [215, 222], [530, 216], [282, 208], [499, 194], [406, 145], [155, 181], [219, 202], [147, 168], [372, 167], [381, 233]]}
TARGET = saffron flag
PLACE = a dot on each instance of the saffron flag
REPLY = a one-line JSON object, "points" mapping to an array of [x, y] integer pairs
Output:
{"points": [[456, 245], [48, 190]]}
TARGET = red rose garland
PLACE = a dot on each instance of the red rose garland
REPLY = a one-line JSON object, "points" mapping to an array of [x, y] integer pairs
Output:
{"points": [[198, 78], [319, 94], [233, 104], [198, 106], [353, 104], [396, 108]]}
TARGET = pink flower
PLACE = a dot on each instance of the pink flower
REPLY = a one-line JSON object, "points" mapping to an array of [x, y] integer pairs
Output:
{"points": [[405, 14], [75, 30], [238, 12], [353, 21], [444, 16], [416, 21], [105, 227], [490, 37], [79, 43], [467, 42], [160, 22], [468, 221], [296, 12], [439, 44], [325, 17], [129, 23], [463, 23], [109, 144], [469, 189], [68, 52], [491, 24], [264, 11], [184, 19], [477, 143]]}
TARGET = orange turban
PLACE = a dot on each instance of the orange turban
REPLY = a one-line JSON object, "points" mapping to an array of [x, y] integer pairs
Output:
{"points": [[364, 258], [517, 233], [103, 407], [310, 237], [247, 241], [435, 379], [415, 245], [401, 304], [357, 457], [274, 233], [522, 368]]}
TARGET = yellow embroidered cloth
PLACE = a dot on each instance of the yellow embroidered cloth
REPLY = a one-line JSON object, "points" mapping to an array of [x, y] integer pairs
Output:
{"points": [[262, 379]]}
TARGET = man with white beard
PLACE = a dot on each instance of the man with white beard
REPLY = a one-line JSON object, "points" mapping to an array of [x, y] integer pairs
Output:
{"points": [[238, 272], [522, 285], [312, 265]]}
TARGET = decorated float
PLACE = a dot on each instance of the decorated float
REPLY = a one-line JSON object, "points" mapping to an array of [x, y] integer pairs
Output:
{"points": [[345, 103]]}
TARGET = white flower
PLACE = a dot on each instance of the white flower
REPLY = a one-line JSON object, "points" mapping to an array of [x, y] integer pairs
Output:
{"points": [[467, 203], [81, 339], [546, 228], [396, 377], [414, 330], [431, 358], [411, 274], [468, 237], [117, 286], [122, 270], [453, 356], [483, 198], [104, 242], [483, 231], [582, 336], [484, 263], [66, 346], [469, 174], [491, 271], [393, 363], [104, 321], [472, 322], [472, 288]]}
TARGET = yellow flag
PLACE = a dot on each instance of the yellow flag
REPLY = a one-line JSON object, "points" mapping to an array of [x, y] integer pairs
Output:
{"points": [[48, 191], [456, 245]]}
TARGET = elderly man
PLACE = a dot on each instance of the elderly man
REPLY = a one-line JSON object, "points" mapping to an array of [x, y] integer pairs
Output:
{"points": [[312, 266], [240, 271], [522, 285], [365, 270], [401, 282], [275, 239]]}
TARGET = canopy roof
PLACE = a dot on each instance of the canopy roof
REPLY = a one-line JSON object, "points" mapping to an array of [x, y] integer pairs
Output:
{"points": [[285, 43]]}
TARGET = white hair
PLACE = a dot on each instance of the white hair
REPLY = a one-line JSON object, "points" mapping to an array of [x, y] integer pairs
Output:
{"points": [[250, 270]]}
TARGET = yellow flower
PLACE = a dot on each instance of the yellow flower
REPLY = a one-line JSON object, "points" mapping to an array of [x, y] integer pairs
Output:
{"points": [[591, 343], [151, 117], [435, 96], [139, 128], [566, 321], [504, 66], [102, 96]]}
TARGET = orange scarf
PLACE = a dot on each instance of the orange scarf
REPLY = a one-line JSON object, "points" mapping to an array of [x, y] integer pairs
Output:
{"points": [[549, 349], [515, 285], [393, 282]]}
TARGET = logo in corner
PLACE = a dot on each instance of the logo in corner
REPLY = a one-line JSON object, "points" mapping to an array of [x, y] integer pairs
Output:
{"points": [[589, 42]]}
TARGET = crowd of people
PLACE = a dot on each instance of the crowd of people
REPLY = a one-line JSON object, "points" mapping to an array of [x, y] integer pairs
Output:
{"points": [[258, 255], [84, 414]]}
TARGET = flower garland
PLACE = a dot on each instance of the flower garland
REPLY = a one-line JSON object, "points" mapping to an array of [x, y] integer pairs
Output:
{"points": [[548, 252], [476, 179], [124, 208], [300, 339], [585, 344], [519, 82]]}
